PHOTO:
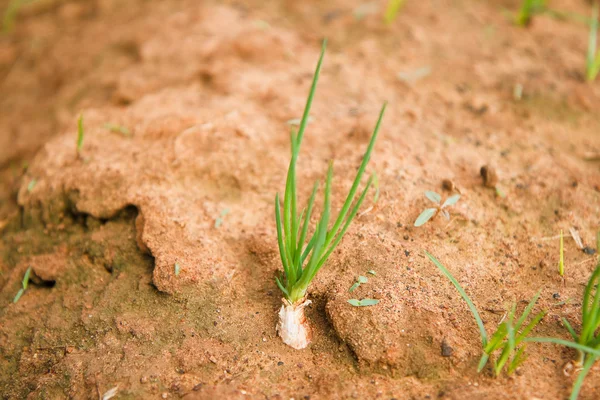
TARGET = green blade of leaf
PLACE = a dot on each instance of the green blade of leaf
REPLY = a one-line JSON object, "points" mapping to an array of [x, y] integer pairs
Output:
{"points": [[482, 361], [368, 302], [354, 287], [300, 257], [354, 302], [496, 339], [592, 58], [589, 362], [281, 241], [25, 281], [363, 165], [536, 320], [570, 329], [425, 216], [80, 133], [528, 310], [433, 196], [450, 201], [392, 9], [465, 297], [283, 289], [517, 360], [567, 343], [363, 279], [19, 294]]}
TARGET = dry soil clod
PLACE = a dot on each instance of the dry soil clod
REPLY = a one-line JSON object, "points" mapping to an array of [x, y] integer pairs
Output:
{"points": [[490, 178]]}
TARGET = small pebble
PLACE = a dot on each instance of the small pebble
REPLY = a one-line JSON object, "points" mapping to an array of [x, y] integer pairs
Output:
{"points": [[448, 185], [556, 296], [164, 395], [446, 350], [280, 363], [490, 178], [144, 379], [588, 250]]}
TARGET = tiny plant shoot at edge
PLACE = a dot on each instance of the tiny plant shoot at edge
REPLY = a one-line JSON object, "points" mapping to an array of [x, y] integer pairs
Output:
{"points": [[295, 246]]}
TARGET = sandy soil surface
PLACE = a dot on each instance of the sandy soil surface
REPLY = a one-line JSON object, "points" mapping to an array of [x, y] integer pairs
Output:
{"points": [[203, 93]]}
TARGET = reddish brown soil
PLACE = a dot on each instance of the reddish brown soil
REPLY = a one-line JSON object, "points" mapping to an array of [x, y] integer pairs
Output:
{"points": [[205, 89]]}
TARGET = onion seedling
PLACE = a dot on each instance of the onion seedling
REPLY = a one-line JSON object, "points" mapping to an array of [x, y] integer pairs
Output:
{"points": [[428, 213], [510, 334], [592, 62], [561, 261], [302, 256]]}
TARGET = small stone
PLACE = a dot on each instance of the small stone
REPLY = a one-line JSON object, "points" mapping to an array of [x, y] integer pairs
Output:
{"points": [[490, 178], [280, 363], [448, 185], [144, 379], [589, 251], [446, 349], [556, 296], [164, 395]]}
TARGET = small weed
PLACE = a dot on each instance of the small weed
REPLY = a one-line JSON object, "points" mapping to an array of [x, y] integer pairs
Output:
{"points": [[592, 62], [361, 279], [24, 285], [363, 302], [177, 269], [392, 10], [80, 134], [117, 129], [561, 262], [509, 336], [31, 185], [428, 213], [528, 9], [219, 220]]}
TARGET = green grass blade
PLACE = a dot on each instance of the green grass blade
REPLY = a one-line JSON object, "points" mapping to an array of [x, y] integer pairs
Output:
{"points": [[281, 242], [570, 329], [536, 320], [392, 9], [590, 311], [528, 310], [19, 294], [482, 361], [300, 257], [561, 262], [464, 295], [517, 360], [589, 362], [496, 339], [311, 95], [363, 165], [351, 216], [567, 343], [283, 289], [80, 133], [592, 58], [25, 281]]}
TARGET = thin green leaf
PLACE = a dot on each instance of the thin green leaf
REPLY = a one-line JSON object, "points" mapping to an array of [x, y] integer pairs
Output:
{"points": [[482, 361], [561, 262], [589, 362], [570, 329], [465, 297], [425, 216], [496, 339], [25, 281], [354, 287], [567, 343], [433, 196], [283, 289], [392, 9], [536, 320], [177, 269], [300, 257], [354, 302], [450, 201], [80, 133], [281, 240], [19, 294], [592, 59], [528, 310], [31, 185], [368, 302], [517, 360]]}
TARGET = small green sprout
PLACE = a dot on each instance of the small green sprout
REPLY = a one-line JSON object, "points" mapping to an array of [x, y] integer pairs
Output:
{"points": [[561, 262], [219, 220], [31, 185], [361, 279], [363, 302], [117, 129], [592, 63], [428, 213], [528, 9], [24, 285], [509, 337], [392, 10], [10, 14], [80, 134], [177, 269]]}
